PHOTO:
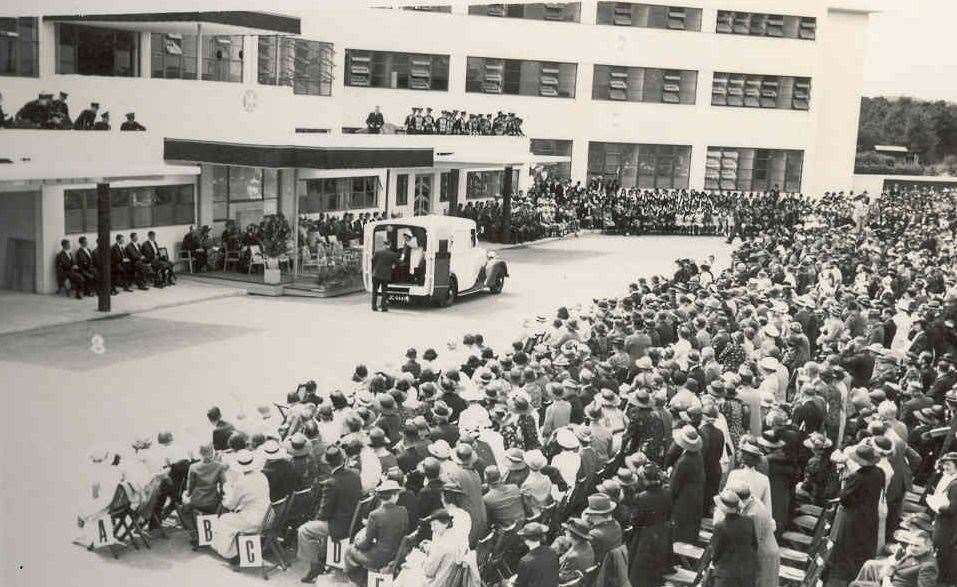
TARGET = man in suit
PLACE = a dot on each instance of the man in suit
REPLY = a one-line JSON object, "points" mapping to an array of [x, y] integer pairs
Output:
{"points": [[60, 112], [131, 123], [734, 543], [375, 121], [66, 268], [383, 533], [944, 503], [580, 556], [538, 568], [414, 448], [430, 496], [87, 118], [103, 123], [605, 531], [503, 501], [222, 429], [711, 452], [340, 496], [383, 261], [120, 265], [141, 269], [87, 265], [162, 267]]}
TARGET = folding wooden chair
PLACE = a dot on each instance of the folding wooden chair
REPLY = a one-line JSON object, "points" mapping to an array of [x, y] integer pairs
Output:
{"points": [[186, 256], [691, 574], [232, 256], [361, 515], [483, 550], [299, 510], [591, 573], [269, 536], [125, 527], [574, 581], [803, 541]]}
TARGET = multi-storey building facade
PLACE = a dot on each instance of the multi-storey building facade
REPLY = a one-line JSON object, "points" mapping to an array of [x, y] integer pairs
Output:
{"points": [[251, 112]]}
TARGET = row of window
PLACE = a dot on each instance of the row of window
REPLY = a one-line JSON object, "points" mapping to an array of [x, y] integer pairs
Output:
{"points": [[644, 84], [656, 16], [648, 166], [140, 207]]}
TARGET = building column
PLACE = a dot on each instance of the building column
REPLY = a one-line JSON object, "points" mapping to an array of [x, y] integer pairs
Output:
{"points": [[589, 11], [204, 208], [51, 226], [579, 166], [250, 58]]}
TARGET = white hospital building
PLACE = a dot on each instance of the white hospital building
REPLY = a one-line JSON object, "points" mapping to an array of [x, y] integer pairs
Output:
{"points": [[250, 112]]}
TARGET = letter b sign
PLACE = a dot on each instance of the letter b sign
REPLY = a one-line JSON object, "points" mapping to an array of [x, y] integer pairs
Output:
{"points": [[206, 528]]}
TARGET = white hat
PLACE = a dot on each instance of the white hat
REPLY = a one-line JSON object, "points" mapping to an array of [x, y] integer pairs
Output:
{"points": [[567, 439]]}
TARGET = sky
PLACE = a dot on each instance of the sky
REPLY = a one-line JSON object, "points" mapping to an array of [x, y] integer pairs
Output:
{"points": [[911, 51]]}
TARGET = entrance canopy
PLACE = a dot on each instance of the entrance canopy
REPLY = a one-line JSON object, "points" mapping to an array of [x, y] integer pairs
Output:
{"points": [[233, 22], [340, 156]]}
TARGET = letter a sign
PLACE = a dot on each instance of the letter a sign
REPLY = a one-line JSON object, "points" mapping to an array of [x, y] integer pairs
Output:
{"points": [[206, 527], [250, 551], [103, 532], [334, 553]]}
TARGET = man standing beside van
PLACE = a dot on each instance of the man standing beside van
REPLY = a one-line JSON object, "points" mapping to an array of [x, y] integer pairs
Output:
{"points": [[383, 261]]}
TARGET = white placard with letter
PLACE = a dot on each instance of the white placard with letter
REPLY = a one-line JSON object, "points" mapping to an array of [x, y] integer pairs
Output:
{"points": [[206, 525], [379, 580], [335, 553], [250, 551], [103, 532]]}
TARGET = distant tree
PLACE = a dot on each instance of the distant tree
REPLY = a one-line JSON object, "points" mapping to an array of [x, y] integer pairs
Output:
{"points": [[925, 127]]}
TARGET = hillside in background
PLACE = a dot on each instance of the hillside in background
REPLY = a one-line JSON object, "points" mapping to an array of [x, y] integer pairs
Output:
{"points": [[924, 127]]}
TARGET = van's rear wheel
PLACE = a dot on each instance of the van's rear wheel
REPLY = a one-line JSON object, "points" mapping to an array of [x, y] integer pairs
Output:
{"points": [[453, 291], [497, 285]]}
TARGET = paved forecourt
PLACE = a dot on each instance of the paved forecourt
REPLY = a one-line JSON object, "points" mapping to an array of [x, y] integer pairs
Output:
{"points": [[161, 370]]}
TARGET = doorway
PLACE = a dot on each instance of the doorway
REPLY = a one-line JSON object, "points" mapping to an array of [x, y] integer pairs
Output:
{"points": [[18, 240], [422, 204]]}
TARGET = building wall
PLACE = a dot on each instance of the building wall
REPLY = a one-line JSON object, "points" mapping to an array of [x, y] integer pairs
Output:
{"points": [[215, 110]]}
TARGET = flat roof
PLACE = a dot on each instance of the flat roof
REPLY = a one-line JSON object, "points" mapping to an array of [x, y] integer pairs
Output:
{"points": [[214, 22], [295, 156], [89, 170]]}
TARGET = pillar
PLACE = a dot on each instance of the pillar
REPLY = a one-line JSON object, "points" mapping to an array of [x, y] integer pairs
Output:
{"points": [[52, 226], [103, 226]]}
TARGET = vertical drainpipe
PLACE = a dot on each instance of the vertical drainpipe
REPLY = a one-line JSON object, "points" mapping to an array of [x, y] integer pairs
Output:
{"points": [[388, 174]]}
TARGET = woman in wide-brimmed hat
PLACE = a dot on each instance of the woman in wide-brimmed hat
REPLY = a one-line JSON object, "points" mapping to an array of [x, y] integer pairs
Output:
{"points": [[537, 487], [751, 467], [856, 539], [247, 502], [687, 485]]}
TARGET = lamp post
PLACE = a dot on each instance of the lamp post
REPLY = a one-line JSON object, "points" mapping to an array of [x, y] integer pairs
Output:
{"points": [[103, 245]]}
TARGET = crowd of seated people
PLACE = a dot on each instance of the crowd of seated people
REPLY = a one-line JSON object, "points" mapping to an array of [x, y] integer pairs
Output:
{"points": [[787, 418], [131, 263], [345, 229], [47, 112]]}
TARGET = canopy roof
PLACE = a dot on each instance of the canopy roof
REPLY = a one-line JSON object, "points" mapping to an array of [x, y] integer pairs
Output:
{"points": [[233, 22]]}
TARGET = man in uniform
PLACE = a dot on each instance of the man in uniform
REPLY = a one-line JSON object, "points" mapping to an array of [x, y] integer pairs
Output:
{"points": [[87, 118], [130, 123], [36, 113], [103, 123], [162, 267], [60, 112], [418, 121], [66, 268], [375, 121], [383, 261], [428, 122], [87, 265], [120, 265], [141, 269], [410, 123]]}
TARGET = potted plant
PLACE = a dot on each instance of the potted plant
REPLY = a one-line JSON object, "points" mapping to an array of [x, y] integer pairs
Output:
{"points": [[274, 235]]}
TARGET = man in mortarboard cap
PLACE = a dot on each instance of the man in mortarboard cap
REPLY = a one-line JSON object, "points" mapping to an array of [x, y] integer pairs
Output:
{"points": [[87, 118], [428, 122], [61, 112], [103, 123], [36, 113], [410, 123], [131, 123], [418, 121]]}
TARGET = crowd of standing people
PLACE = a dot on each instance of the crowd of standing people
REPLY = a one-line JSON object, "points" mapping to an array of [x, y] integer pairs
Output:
{"points": [[728, 410]]}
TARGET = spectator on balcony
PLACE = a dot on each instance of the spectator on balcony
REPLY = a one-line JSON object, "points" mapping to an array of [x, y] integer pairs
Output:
{"points": [[103, 123], [36, 113], [131, 123], [87, 118], [428, 122], [443, 124], [5, 121], [375, 121], [60, 112]]}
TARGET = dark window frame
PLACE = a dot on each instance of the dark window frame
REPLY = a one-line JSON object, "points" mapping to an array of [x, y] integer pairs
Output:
{"points": [[603, 91], [768, 25], [20, 41], [70, 54], [186, 66], [785, 90], [303, 64], [650, 159], [482, 77], [379, 67], [402, 189], [225, 198], [752, 169], [124, 212]]}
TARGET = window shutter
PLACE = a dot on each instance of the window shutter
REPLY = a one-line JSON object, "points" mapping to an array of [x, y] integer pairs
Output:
{"points": [[676, 18], [775, 25], [725, 21], [420, 72], [759, 25], [712, 173], [618, 86], [736, 91], [729, 170], [496, 10], [8, 28], [623, 14], [752, 92], [802, 94], [808, 28], [742, 23], [719, 90], [548, 80], [492, 79], [359, 69], [671, 91], [769, 92], [554, 11]]}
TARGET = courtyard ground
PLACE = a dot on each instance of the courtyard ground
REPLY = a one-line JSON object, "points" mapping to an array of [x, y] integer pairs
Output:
{"points": [[162, 369]]}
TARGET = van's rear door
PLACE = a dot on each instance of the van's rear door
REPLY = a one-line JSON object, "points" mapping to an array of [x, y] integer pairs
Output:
{"points": [[440, 277]]}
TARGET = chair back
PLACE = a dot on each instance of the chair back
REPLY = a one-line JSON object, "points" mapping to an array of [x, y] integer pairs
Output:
{"points": [[300, 506], [483, 549], [588, 578], [275, 515], [361, 514], [574, 581]]}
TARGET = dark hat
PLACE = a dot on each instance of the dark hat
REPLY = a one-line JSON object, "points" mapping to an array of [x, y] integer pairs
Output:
{"points": [[439, 514], [333, 456], [492, 475], [578, 527], [130, 114], [651, 473], [950, 457], [464, 455], [728, 501], [440, 410], [377, 438], [863, 454], [533, 530]]}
